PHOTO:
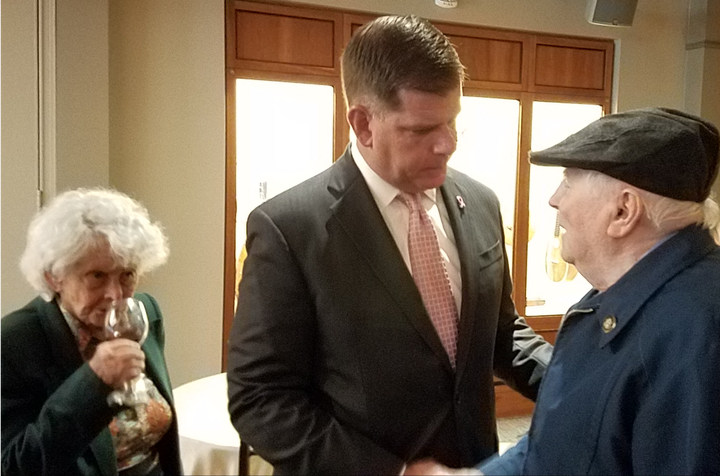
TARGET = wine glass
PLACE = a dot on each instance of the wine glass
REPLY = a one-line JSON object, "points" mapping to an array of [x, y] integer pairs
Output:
{"points": [[127, 318]]}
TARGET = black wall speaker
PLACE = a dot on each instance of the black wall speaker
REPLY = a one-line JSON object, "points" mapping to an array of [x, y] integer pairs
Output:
{"points": [[611, 12]]}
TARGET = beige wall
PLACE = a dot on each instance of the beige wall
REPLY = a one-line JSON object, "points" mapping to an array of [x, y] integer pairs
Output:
{"points": [[167, 148], [702, 63], [702, 70], [76, 114], [82, 94], [19, 143], [151, 94]]}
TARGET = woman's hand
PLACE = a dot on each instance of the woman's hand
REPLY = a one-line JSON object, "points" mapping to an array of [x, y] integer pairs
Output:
{"points": [[117, 361]]}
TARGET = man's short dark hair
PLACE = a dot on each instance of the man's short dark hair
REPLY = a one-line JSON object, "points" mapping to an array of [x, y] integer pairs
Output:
{"points": [[398, 52]]}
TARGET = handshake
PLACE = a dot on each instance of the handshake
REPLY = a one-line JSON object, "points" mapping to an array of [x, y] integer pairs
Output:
{"points": [[427, 467]]}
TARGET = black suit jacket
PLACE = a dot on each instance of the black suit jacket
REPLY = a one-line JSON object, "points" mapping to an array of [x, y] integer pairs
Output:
{"points": [[334, 364], [54, 412]]}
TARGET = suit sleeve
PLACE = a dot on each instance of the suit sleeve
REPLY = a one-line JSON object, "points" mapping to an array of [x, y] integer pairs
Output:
{"points": [[273, 383], [44, 435], [521, 356]]}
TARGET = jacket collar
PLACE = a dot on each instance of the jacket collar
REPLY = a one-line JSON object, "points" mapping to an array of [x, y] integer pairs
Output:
{"points": [[60, 338], [621, 302]]}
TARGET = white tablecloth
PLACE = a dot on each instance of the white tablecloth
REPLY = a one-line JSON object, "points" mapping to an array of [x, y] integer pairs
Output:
{"points": [[209, 444]]}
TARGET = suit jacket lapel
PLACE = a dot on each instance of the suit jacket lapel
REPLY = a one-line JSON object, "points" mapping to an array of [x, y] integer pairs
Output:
{"points": [[154, 363], [63, 347], [456, 213], [156, 371], [357, 213]]}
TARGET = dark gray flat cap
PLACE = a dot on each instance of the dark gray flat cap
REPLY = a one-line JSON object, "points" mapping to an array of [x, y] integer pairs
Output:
{"points": [[664, 151]]}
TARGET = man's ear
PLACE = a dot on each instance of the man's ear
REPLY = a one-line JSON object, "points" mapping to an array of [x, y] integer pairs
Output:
{"points": [[629, 210], [359, 118]]}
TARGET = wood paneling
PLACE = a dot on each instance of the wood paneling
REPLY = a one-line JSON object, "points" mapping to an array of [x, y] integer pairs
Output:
{"points": [[573, 66], [546, 326], [509, 403], [493, 59], [284, 39], [569, 67], [522, 200], [352, 23], [490, 60], [230, 214]]}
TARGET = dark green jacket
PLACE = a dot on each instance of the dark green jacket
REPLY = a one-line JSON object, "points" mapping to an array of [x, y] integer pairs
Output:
{"points": [[54, 412]]}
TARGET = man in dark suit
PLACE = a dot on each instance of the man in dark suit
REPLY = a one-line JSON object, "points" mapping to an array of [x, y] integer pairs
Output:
{"points": [[335, 363]]}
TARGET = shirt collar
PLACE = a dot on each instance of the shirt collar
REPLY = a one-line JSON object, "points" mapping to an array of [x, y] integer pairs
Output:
{"points": [[383, 191], [71, 321], [624, 299], [659, 242]]}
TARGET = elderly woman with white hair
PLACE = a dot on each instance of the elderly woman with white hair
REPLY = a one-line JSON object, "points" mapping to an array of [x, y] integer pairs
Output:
{"points": [[85, 251]]}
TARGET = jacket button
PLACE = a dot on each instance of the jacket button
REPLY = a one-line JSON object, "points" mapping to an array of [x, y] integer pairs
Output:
{"points": [[609, 324]]}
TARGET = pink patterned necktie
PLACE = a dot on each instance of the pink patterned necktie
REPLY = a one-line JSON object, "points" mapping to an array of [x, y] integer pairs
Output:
{"points": [[430, 275]]}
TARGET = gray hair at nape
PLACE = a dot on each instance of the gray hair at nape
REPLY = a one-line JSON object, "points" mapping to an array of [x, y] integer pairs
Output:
{"points": [[75, 221], [666, 214]]}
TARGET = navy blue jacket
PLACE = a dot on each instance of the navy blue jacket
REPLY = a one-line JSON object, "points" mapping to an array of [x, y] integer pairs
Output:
{"points": [[633, 386]]}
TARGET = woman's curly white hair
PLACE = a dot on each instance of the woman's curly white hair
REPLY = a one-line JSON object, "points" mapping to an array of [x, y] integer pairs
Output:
{"points": [[70, 225]]}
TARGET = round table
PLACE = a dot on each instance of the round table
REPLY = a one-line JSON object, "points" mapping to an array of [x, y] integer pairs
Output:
{"points": [[209, 444]]}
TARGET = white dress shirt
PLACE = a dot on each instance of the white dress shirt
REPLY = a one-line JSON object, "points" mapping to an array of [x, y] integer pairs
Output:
{"points": [[397, 217]]}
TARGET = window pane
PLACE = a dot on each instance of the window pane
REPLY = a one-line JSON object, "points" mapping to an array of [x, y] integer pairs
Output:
{"points": [[487, 150], [284, 136], [552, 284]]}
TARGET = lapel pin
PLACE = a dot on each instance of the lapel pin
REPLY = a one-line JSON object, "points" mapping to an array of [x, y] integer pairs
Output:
{"points": [[461, 202]]}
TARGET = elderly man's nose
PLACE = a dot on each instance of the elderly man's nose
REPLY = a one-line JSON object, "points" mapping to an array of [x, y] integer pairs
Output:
{"points": [[553, 201]]}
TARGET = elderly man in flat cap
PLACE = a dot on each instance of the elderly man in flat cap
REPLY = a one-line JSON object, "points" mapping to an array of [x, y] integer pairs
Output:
{"points": [[633, 386]]}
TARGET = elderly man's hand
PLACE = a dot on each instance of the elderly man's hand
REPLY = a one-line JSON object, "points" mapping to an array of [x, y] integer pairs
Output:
{"points": [[118, 361], [428, 467]]}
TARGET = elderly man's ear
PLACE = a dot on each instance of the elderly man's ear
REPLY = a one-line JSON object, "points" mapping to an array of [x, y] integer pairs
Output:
{"points": [[629, 210]]}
